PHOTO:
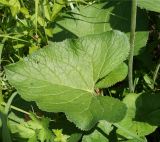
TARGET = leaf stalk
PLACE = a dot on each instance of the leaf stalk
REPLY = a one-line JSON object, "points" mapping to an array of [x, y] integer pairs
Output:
{"points": [[132, 42], [155, 75]]}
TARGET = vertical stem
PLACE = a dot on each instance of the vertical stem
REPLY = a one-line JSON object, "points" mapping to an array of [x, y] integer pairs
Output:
{"points": [[132, 40], [156, 73], [6, 137], [7, 107], [1, 49], [36, 13], [22, 3]]}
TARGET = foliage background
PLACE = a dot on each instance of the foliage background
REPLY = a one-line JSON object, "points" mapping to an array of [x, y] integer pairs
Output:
{"points": [[28, 27]]}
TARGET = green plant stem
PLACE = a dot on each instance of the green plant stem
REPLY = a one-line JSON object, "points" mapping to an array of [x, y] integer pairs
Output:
{"points": [[156, 73], [15, 108], [11, 37], [22, 3], [6, 137], [132, 40], [7, 106], [19, 110], [36, 13]]}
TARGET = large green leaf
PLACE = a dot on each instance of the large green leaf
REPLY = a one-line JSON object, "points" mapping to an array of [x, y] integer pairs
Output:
{"points": [[130, 123], [98, 18], [62, 77], [152, 5], [148, 108], [106, 132]]}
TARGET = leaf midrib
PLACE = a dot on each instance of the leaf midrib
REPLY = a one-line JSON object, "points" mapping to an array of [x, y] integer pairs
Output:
{"points": [[32, 78]]}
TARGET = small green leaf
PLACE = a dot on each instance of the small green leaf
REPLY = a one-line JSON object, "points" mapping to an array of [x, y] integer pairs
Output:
{"points": [[41, 21], [75, 137], [98, 133], [59, 137], [20, 127], [15, 7], [17, 46], [148, 81], [49, 32], [34, 129], [57, 7], [25, 11], [4, 2], [113, 77], [139, 128], [47, 10]]}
